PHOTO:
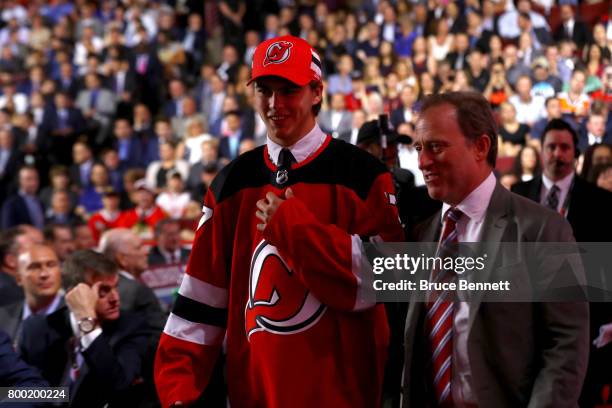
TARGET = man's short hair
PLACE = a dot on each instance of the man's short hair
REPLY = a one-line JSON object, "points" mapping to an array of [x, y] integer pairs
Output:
{"points": [[162, 223], [474, 116], [8, 242], [49, 229], [549, 100], [560, 124], [85, 262], [316, 108]]}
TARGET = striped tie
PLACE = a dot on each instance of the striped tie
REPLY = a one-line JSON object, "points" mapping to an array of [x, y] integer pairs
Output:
{"points": [[552, 199], [440, 313]]}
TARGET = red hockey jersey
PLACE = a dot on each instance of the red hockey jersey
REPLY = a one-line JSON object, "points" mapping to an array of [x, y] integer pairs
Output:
{"points": [[289, 300], [98, 223]]}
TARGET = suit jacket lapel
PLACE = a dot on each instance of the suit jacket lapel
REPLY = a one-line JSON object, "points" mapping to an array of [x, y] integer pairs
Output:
{"points": [[493, 229], [429, 234], [535, 189]]}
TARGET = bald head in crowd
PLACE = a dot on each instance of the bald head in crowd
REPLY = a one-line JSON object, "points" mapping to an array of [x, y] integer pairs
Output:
{"points": [[125, 248]]}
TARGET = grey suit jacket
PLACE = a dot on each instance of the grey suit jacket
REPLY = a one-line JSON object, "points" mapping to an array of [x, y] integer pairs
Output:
{"points": [[345, 124], [136, 297], [520, 354], [105, 104]]}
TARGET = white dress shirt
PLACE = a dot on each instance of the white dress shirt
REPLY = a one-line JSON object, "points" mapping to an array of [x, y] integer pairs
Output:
{"points": [[302, 149], [469, 229], [594, 139]]}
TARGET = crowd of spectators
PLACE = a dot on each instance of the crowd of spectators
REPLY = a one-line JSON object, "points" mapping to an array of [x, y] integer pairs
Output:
{"points": [[97, 96], [119, 113]]}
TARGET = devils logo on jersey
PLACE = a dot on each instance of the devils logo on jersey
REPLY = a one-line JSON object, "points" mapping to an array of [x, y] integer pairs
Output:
{"points": [[278, 302], [277, 53]]}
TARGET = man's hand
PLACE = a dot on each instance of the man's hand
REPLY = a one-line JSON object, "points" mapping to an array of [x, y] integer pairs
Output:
{"points": [[82, 299], [268, 206]]}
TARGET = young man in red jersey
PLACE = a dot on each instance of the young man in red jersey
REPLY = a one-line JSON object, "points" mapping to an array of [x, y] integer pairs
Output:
{"points": [[276, 263]]}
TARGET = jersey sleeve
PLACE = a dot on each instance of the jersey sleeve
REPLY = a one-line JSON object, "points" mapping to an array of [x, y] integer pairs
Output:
{"points": [[195, 329], [329, 259]]}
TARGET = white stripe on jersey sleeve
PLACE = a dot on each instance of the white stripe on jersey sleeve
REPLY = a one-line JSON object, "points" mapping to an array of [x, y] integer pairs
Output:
{"points": [[366, 296], [202, 292], [198, 333]]}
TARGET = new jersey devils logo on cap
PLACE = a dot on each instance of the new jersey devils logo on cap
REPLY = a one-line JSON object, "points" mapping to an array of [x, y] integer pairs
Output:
{"points": [[278, 303], [278, 52]]}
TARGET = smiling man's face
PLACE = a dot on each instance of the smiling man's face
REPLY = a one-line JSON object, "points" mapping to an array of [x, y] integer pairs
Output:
{"points": [[286, 108]]}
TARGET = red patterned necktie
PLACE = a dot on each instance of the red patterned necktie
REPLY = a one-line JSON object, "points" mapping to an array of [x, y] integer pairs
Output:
{"points": [[440, 313]]}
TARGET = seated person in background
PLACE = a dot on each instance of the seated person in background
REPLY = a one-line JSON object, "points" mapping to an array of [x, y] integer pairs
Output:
{"points": [[90, 199], [173, 199], [90, 345], [83, 238], [108, 217], [157, 171], [146, 214], [13, 371], [61, 211], [39, 275], [527, 164], [126, 249], [168, 250], [61, 239], [514, 135]]}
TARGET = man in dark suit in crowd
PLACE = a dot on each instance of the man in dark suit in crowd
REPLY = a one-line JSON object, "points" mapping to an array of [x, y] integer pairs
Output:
{"points": [[594, 129], [10, 292], [39, 275], [61, 124], [485, 353], [585, 206], [208, 160], [572, 29], [10, 160], [168, 250], [122, 82], [67, 81], [194, 41], [14, 372], [128, 145], [80, 171], [12, 242], [90, 345], [405, 113], [229, 143], [587, 209], [24, 207]]}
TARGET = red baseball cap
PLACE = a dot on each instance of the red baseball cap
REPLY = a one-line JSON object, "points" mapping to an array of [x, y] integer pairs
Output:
{"points": [[287, 57]]}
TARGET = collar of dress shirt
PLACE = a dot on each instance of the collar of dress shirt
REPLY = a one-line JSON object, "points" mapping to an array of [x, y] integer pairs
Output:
{"points": [[302, 149], [563, 184], [127, 275], [168, 255], [51, 307], [475, 205], [594, 139]]}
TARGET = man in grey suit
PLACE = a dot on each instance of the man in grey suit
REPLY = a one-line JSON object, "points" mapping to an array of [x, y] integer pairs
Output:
{"points": [[125, 248], [496, 354], [98, 105], [336, 120]]}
